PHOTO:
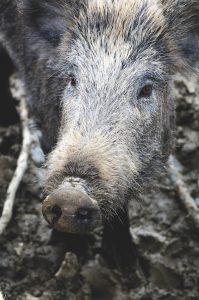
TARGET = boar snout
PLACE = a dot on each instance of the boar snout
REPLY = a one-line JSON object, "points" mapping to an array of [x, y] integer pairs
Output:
{"points": [[71, 211]]}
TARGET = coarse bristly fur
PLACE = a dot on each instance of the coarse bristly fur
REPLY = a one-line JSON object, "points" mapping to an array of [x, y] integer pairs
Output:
{"points": [[86, 65]]}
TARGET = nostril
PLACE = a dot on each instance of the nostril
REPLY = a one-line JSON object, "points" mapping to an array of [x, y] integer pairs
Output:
{"points": [[56, 213], [72, 211], [83, 214]]}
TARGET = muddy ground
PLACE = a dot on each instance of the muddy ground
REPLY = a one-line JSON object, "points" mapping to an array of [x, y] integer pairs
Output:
{"points": [[167, 263]]}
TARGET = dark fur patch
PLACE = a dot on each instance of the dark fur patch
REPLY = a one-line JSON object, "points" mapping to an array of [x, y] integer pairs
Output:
{"points": [[82, 168], [49, 19]]}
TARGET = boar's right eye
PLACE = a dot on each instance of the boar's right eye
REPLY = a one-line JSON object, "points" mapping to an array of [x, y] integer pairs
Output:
{"points": [[72, 81]]}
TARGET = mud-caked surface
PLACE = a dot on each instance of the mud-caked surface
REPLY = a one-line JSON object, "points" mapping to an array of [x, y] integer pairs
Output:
{"points": [[36, 263]]}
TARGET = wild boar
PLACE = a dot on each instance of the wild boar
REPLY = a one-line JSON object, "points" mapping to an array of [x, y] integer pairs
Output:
{"points": [[98, 75]]}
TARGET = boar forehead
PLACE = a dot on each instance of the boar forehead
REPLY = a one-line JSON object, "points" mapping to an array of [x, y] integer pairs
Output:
{"points": [[111, 35]]}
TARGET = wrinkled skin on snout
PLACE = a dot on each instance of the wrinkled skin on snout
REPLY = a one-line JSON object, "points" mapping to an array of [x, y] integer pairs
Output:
{"points": [[117, 118]]}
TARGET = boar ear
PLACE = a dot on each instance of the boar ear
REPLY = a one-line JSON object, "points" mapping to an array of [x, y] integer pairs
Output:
{"points": [[49, 19], [182, 18]]}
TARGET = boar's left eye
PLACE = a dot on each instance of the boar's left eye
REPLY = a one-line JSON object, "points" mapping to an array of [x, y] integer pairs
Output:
{"points": [[146, 91]]}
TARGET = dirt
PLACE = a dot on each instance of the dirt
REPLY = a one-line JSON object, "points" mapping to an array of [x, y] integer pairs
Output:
{"points": [[37, 263]]}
